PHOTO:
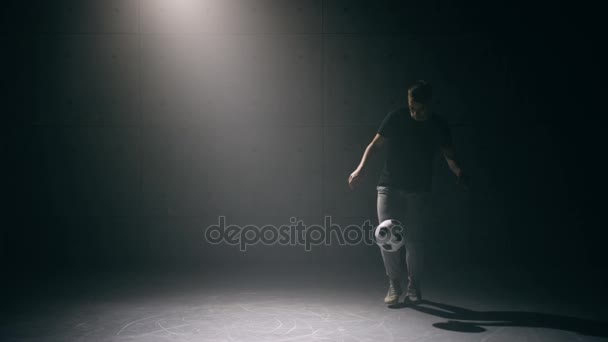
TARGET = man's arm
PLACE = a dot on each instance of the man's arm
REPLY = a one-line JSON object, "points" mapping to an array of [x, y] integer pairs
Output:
{"points": [[454, 164], [376, 144], [450, 158], [370, 150]]}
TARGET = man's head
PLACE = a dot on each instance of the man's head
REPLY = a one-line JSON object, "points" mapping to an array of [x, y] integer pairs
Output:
{"points": [[419, 97]]}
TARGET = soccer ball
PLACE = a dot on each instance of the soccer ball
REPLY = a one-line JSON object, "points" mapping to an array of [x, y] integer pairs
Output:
{"points": [[390, 235]]}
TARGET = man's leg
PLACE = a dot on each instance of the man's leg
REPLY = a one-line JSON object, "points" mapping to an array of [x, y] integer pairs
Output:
{"points": [[390, 206], [418, 207]]}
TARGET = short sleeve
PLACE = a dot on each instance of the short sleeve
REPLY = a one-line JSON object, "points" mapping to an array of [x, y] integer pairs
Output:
{"points": [[388, 125]]}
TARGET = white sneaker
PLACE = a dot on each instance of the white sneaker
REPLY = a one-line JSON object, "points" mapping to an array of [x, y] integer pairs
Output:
{"points": [[413, 293], [394, 291]]}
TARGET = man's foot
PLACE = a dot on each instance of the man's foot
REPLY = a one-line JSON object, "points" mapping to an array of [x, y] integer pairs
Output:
{"points": [[413, 293], [394, 291]]}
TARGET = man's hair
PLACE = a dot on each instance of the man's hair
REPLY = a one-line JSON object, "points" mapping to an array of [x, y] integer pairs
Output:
{"points": [[420, 91]]}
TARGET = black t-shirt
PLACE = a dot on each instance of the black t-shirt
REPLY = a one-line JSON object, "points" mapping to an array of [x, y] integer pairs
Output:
{"points": [[411, 148]]}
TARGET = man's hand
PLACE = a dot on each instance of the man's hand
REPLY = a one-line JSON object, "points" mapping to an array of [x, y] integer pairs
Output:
{"points": [[464, 181], [355, 178]]}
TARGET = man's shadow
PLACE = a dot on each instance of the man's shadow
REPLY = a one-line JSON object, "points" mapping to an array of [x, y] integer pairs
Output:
{"points": [[455, 315]]}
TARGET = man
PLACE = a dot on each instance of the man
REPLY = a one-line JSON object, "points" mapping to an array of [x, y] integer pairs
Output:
{"points": [[412, 133]]}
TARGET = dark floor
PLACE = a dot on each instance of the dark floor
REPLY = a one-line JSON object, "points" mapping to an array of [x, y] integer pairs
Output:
{"points": [[464, 304]]}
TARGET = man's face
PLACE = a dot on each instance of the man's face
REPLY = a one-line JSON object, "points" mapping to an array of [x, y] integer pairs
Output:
{"points": [[418, 111]]}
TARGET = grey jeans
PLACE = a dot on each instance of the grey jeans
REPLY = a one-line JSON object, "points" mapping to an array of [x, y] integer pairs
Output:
{"points": [[413, 210]]}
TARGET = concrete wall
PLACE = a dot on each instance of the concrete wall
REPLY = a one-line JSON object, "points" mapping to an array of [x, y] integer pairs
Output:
{"points": [[132, 125]]}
